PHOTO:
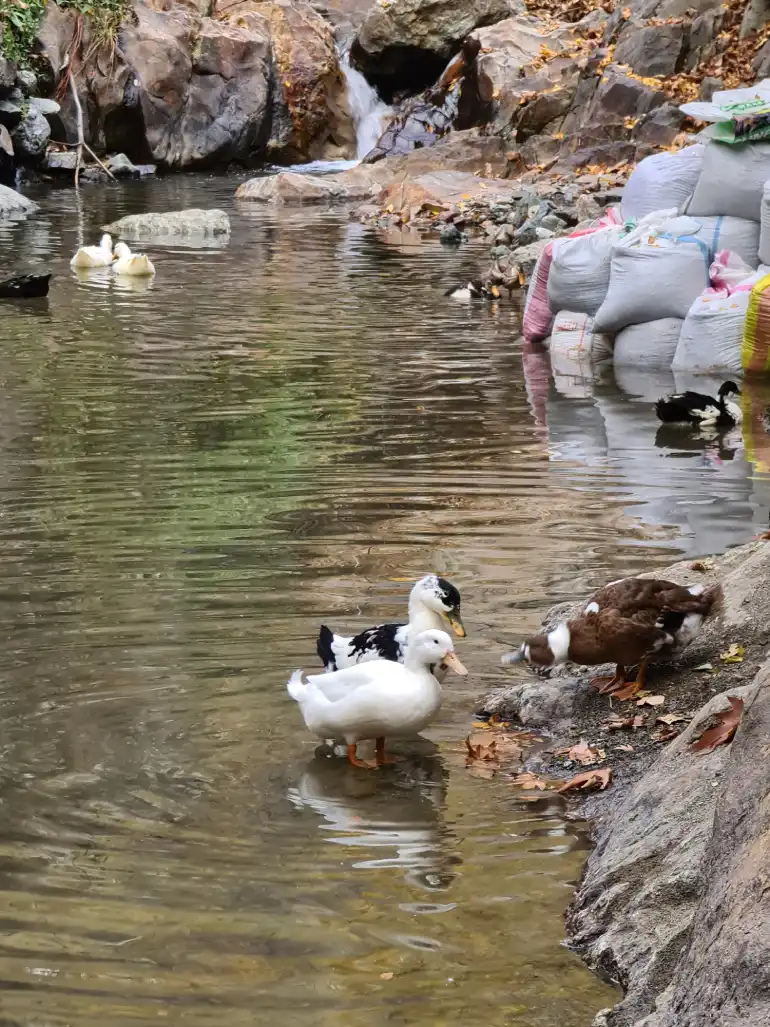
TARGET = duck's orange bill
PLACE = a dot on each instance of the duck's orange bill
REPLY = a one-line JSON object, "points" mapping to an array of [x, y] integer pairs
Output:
{"points": [[451, 661]]}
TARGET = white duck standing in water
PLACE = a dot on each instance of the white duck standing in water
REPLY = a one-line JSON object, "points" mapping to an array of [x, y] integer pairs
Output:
{"points": [[376, 699], [127, 263], [94, 256]]}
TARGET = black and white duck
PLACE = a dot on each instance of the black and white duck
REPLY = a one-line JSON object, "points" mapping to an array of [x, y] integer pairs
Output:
{"points": [[24, 287], [630, 621], [474, 290], [434, 602], [699, 409]]}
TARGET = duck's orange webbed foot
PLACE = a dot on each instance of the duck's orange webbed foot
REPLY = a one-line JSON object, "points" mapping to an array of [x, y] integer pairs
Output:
{"points": [[354, 761], [379, 751], [606, 684]]}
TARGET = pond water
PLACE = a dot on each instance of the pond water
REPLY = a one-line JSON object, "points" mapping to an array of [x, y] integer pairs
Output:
{"points": [[288, 429]]}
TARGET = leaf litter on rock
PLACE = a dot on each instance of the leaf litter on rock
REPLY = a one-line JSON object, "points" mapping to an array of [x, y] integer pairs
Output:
{"points": [[588, 780], [618, 723], [722, 732], [651, 700], [734, 654], [582, 752]]}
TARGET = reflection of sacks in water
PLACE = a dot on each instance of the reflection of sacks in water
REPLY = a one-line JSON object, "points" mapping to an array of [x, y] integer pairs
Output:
{"points": [[650, 345], [652, 278], [580, 271], [732, 180], [648, 382], [575, 347], [400, 813], [537, 372], [755, 399], [662, 180], [764, 229]]}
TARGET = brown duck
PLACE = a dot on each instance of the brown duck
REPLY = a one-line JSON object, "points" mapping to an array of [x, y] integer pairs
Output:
{"points": [[630, 621]]}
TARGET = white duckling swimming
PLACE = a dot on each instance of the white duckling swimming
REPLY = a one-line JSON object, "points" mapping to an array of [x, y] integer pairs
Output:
{"points": [[376, 698], [94, 256], [128, 263]]}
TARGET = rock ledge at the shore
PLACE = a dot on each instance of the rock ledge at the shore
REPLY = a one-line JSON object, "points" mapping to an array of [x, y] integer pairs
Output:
{"points": [[672, 904]]}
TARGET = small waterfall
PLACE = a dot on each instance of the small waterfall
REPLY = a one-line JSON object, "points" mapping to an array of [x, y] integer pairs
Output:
{"points": [[367, 109]]}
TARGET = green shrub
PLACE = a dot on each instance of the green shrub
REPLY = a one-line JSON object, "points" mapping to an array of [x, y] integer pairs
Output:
{"points": [[20, 20]]}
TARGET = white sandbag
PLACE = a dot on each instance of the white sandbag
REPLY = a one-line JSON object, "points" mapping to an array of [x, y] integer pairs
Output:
{"points": [[739, 235], [712, 333], [653, 278], [731, 181], [580, 271], [662, 180], [764, 229], [648, 346]]}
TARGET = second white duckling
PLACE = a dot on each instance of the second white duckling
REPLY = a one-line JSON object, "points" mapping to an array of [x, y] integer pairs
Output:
{"points": [[128, 263], [378, 698], [94, 256]]}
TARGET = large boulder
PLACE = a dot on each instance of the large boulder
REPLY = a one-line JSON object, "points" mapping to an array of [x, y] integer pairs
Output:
{"points": [[173, 223], [404, 44], [176, 88], [288, 187], [309, 116], [30, 137], [13, 204]]}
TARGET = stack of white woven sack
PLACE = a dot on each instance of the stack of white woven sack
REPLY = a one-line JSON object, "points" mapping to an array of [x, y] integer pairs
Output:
{"points": [[666, 280]]}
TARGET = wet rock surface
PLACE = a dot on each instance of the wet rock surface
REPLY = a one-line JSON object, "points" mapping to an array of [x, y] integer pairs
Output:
{"points": [[190, 222], [672, 892]]}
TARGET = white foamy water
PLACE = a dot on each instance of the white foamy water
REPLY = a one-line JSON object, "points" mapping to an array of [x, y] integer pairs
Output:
{"points": [[369, 113]]}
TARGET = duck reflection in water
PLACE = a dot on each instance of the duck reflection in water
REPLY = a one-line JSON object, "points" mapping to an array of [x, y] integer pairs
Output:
{"points": [[397, 815]]}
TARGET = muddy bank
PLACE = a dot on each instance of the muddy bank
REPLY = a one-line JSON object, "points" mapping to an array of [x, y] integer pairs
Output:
{"points": [[671, 904]]}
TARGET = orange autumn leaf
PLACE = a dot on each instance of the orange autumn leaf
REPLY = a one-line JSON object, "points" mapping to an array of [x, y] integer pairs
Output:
{"points": [[723, 731], [588, 780]]}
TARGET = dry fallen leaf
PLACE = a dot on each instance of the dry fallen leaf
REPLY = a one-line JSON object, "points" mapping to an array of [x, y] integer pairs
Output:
{"points": [[732, 655], [722, 733], [387, 976], [705, 666], [702, 565], [621, 723], [491, 746], [625, 748], [529, 780], [583, 753], [669, 718], [588, 780], [651, 700]]}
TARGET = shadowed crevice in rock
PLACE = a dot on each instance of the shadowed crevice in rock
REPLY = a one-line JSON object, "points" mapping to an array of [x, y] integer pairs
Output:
{"points": [[399, 70]]}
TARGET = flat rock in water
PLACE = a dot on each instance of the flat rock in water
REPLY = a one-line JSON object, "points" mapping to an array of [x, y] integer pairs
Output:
{"points": [[61, 162], [121, 166], [13, 204], [175, 222], [290, 187]]}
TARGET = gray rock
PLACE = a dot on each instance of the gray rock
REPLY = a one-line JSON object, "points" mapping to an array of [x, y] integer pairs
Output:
{"points": [[451, 235], [61, 162], [121, 166], [536, 704], [48, 108], [92, 174], [191, 222], [543, 233], [26, 81], [641, 888], [552, 223], [619, 96], [651, 49], [13, 204], [408, 41], [504, 235], [31, 135], [586, 208], [10, 114], [500, 251], [527, 256], [722, 978], [7, 163], [7, 75], [660, 127], [145, 170]]}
